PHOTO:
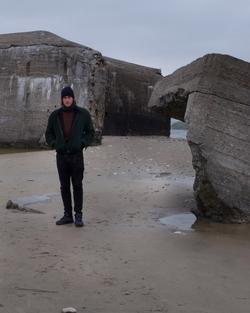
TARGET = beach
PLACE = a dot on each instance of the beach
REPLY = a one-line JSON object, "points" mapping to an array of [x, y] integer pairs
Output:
{"points": [[125, 259]]}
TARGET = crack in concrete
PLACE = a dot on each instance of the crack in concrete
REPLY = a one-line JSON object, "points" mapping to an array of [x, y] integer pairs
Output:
{"points": [[221, 97]]}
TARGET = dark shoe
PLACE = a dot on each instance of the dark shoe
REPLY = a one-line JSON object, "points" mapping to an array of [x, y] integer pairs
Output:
{"points": [[78, 220], [65, 220]]}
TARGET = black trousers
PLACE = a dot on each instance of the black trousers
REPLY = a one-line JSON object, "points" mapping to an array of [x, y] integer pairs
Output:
{"points": [[70, 169]]}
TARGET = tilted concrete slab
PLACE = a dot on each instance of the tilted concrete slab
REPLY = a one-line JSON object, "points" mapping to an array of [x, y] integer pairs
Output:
{"points": [[212, 95]]}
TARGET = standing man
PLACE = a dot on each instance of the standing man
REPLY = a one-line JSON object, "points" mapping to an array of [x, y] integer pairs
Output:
{"points": [[69, 130]]}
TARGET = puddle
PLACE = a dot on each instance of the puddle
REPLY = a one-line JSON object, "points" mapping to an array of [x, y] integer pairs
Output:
{"points": [[17, 208], [35, 199], [181, 222]]}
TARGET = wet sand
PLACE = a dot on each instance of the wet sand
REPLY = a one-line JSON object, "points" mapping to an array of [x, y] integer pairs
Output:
{"points": [[125, 259]]}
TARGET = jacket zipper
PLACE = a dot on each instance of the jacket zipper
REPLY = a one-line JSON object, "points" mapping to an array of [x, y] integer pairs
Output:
{"points": [[60, 127], [76, 117]]}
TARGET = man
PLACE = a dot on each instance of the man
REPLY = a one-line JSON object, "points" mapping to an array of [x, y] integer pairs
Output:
{"points": [[69, 130]]}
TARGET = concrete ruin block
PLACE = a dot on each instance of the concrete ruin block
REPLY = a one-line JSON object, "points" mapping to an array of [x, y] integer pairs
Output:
{"points": [[212, 95], [34, 67], [126, 106]]}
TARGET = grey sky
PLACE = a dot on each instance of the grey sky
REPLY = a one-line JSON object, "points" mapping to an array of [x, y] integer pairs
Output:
{"points": [[164, 34]]}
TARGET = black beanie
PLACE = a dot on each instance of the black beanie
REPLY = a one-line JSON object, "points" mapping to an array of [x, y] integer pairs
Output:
{"points": [[67, 91]]}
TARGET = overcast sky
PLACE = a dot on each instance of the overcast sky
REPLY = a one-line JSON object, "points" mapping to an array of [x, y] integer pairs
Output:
{"points": [[165, 34]]}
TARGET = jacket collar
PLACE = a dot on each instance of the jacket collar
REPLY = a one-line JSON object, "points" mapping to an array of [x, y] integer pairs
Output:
{"points": [[75, 108]]}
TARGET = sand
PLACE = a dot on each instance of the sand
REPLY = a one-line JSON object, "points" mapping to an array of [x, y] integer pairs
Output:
{"points": [[124, 260]]}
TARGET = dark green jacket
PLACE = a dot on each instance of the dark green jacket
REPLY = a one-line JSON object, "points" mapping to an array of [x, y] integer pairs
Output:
{"points": [[81, 136]]}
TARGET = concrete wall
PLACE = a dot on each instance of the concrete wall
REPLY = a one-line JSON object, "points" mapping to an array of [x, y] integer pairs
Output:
{"points": [[126, 105], [34, 67]]}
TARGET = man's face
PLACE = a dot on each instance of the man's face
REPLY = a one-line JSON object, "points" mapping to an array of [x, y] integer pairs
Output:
{"points": [[67, 101]]}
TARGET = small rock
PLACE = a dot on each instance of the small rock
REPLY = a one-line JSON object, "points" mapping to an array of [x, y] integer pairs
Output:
{"points": [[11, 205], [69, 310], [178, 232]]}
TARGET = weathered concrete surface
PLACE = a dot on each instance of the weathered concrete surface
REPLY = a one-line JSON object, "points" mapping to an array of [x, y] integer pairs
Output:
{"points": [[34, 66], [126, 110], [212, 95]]}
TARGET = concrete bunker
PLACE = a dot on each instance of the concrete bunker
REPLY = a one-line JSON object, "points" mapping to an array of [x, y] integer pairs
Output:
{"points": [[212, 95]]}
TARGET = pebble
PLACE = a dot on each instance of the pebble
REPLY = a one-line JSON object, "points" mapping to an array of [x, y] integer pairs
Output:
{"points": [[178, 232], [69, 310]]}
